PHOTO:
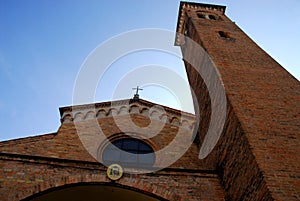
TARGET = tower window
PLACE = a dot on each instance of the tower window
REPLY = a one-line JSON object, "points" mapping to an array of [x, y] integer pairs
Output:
{"points": [[223, 34], [207, 16], [129, 152], [212, 17], [200, 15]]}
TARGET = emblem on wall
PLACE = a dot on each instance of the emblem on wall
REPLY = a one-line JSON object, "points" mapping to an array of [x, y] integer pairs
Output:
{"points": [[114, 172]]}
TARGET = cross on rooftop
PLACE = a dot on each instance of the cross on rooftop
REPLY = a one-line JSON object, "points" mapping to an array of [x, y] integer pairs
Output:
{"points": [[136, 95]]}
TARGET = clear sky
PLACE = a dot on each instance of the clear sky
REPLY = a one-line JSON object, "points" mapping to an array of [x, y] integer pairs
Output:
{"points": [[43, 43]]}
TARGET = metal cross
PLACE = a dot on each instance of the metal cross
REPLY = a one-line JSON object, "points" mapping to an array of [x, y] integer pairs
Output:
{"points": [[137, 90], [136, 95]]}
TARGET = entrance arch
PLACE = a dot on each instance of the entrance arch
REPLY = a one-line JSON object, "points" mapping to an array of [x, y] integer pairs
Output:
{"points": [[93, 192]]}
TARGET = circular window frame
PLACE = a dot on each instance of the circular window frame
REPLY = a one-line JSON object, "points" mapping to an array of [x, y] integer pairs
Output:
{"points": [[122, 136]]}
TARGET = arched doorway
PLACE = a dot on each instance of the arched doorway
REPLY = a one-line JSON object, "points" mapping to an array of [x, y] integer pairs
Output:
{"points": [[93, 192]]}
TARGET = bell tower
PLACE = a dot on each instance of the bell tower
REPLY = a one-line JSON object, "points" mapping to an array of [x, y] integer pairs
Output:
{"points": [[257, 154]]}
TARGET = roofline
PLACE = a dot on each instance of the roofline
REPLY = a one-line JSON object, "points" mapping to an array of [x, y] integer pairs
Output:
{"points": [[28, 139], [120, 102]]}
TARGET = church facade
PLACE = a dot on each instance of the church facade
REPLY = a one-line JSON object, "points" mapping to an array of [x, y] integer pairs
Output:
{"points": [[242, 144]]}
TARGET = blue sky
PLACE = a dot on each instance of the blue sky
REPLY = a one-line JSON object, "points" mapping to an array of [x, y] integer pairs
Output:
{"points": [[43, 43]]}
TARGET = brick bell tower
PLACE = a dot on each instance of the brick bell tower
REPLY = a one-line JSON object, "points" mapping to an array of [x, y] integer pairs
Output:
{"points": [[257, 155]]}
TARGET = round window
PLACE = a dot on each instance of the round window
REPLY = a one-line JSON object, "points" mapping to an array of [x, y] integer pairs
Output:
{"points": [[129, 152]]}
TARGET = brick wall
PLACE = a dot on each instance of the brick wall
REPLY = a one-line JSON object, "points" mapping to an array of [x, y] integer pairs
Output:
{"points": [[45, 162], [24, 178], [258, 152]]}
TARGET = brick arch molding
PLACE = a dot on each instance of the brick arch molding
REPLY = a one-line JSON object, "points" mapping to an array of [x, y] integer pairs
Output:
{"points": [[134, 184]]}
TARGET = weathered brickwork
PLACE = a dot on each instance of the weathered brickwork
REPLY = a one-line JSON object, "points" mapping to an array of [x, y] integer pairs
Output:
{"points": [[25, 177], [258, 152], [40, 163], [256, 156]]}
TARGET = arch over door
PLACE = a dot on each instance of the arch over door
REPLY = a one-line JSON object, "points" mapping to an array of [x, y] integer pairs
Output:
{"points": [[93, 192]]}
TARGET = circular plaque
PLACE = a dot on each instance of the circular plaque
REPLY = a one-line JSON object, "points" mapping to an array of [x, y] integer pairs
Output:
{"points": [[114, 172]]}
